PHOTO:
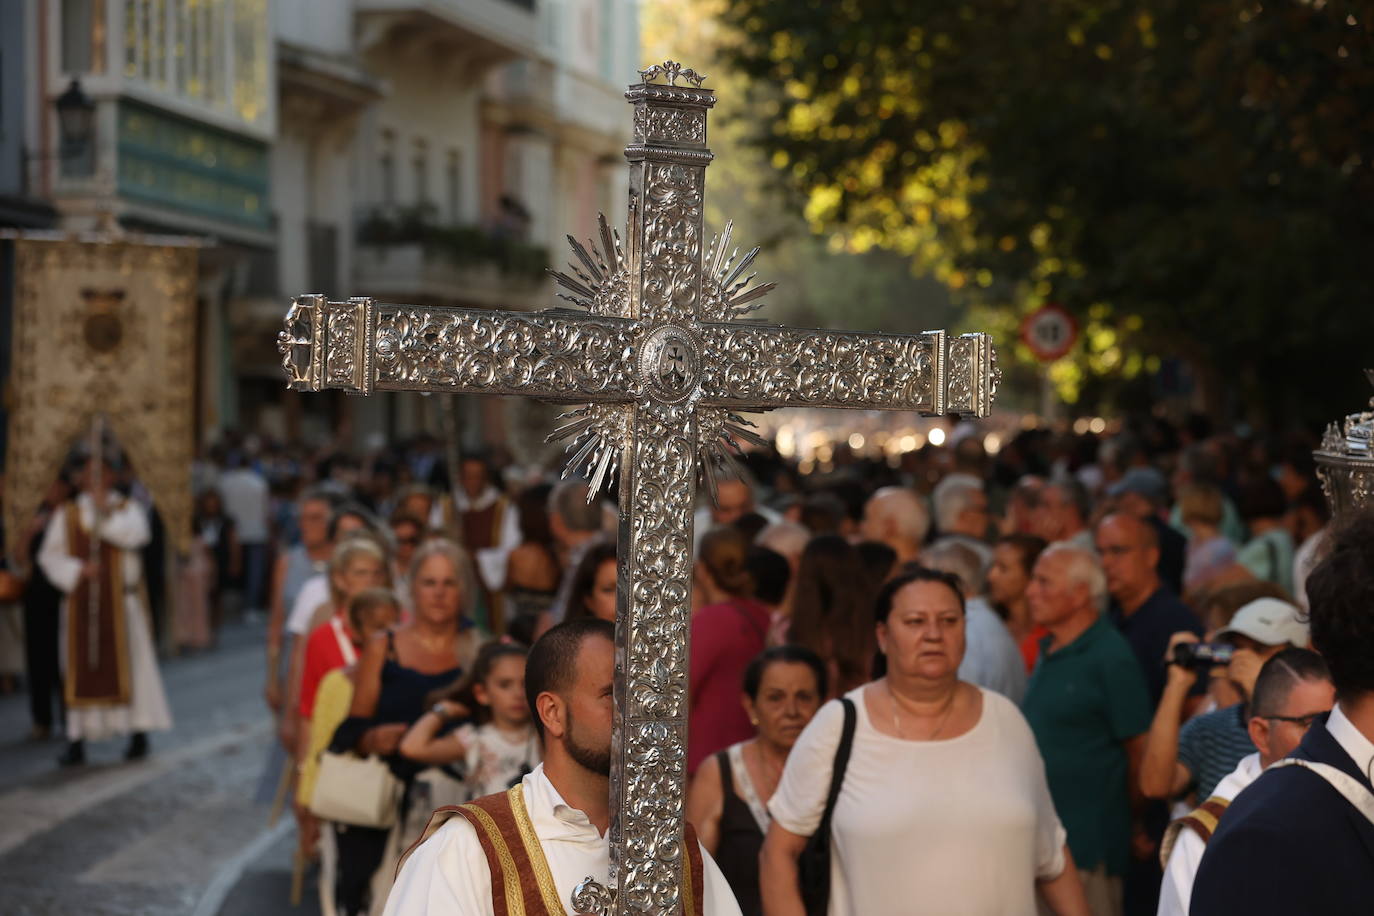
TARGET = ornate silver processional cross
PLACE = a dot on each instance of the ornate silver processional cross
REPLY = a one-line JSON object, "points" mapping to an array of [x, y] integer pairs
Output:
{"points": [[663, 365]]}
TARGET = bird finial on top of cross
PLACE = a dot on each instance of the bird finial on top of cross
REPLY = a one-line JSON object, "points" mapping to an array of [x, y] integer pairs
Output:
{"points": [[672, 71]]}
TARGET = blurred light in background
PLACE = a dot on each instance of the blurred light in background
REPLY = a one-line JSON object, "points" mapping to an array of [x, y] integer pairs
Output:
{"points": [[787, 442]]}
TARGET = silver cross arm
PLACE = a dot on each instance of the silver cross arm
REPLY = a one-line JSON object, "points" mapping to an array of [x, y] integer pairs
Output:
{"points": [[663, 362], [361, 346]]}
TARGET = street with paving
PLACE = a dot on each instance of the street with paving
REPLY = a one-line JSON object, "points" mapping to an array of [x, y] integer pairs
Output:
{"points": [[184, 831]]}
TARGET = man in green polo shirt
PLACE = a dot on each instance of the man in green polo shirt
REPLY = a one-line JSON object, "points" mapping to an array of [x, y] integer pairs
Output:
{"points": [[1089, 709]]}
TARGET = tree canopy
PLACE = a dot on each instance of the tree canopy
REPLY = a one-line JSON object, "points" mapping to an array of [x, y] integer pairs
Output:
{"points": [[818, 284], [1191, 177]]}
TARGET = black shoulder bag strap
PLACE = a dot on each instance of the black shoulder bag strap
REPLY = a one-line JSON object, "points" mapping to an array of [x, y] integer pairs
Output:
{"points": [[813, 866]]}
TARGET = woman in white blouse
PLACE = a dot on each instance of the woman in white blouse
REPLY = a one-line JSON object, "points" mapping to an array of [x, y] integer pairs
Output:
{"points": [[944, 808]]}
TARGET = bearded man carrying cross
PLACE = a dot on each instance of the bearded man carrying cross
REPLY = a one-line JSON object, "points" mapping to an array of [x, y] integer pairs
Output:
{"points": [[531, 848], [664, 359]]}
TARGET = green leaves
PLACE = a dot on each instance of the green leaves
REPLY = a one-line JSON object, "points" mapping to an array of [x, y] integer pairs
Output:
{"points": [[1202, 165]]}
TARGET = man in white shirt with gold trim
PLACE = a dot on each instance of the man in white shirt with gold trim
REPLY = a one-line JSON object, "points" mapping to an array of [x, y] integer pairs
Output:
{"points": [[548, 834]]}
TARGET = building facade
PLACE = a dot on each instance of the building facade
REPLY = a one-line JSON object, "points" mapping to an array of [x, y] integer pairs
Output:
{"points": [[430, 152]]}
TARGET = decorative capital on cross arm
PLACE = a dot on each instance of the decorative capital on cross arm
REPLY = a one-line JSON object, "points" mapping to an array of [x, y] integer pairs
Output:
{"points": [[328, 344], [670, 120]]}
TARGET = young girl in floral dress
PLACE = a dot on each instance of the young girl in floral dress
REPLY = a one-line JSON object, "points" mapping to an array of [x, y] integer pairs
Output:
{"points": [[495, 744]]}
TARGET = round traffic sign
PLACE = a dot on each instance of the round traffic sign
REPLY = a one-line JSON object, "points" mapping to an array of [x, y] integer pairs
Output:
{"points": [[1050, 332]]}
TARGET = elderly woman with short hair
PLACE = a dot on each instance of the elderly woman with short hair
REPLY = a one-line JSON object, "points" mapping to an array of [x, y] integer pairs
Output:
{"points": [[943, 806], [728, 800]]}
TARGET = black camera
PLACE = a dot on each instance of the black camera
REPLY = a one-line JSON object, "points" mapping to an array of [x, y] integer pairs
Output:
{"points": [[1202, 655]]}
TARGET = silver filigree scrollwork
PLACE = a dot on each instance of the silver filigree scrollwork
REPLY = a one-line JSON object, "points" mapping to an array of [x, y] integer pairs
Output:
{"points": [[959, 385], [591, 898], [652, 649], [342, 358], [669, 125], [663, 370], [672, 71], [994, 379], [777, 367], [297, 343], [1345, 461], [672, 242], [559, 357]]}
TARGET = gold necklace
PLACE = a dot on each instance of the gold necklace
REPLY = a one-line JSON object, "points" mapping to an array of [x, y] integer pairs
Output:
{"points": [[944, 716]]}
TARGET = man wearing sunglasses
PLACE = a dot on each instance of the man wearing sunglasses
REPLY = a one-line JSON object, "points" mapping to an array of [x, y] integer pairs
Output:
{"points": [[1293, 689]]}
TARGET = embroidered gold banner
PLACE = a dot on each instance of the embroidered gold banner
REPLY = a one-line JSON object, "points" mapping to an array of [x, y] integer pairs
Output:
{"points": [[104, 327]]}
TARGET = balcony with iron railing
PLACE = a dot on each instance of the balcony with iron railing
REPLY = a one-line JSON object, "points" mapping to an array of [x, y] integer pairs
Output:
{"points": [[406, 254]]}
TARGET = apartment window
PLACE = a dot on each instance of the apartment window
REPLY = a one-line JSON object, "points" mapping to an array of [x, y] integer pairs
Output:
{"points": [[251, 51], [150, 29], [83, 36], [453, 177], [420, 163], [214, 52]]}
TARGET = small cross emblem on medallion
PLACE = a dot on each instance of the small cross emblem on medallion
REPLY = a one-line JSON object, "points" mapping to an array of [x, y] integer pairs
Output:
{"points": [[672, 366]]}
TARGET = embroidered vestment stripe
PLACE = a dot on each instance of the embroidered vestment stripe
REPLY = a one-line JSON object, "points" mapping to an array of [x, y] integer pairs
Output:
{"points": [[510, 876], [534, 851]]}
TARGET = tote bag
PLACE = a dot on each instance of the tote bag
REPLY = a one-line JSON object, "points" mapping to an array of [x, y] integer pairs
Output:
{"points": [[361, 791]]}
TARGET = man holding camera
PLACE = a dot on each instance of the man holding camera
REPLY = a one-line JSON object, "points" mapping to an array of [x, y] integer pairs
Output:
{"points": [[1206, 748]]}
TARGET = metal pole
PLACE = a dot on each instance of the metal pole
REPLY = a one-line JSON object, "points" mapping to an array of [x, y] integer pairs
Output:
{"points": [[97, 466], [453, 454], [1048, 402]]}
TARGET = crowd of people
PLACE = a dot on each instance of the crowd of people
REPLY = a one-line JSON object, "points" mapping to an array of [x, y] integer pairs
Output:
{"points": [[994, 682]]}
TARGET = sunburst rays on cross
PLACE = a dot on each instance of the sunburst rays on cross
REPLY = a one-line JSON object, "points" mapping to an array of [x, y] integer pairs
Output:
{"points": [[597, 433]]}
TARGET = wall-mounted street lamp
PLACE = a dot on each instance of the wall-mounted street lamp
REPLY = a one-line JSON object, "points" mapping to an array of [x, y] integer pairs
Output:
{"points": [[76, 120], [75, 134]]}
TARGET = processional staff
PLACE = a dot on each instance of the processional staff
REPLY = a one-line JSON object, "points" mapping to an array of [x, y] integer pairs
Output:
{"points": [[97, 487], [664, 367]]}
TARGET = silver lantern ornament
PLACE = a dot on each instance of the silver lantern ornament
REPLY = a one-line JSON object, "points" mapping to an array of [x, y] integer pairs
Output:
{"points": [[1345, 461]]}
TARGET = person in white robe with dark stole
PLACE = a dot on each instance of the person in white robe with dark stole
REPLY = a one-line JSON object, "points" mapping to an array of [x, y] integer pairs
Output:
{"points": [[564, 803], [111, 680]]}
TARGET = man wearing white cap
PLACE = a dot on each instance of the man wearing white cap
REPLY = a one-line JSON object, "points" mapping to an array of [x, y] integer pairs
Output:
{"points": [[1208, 747]]}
